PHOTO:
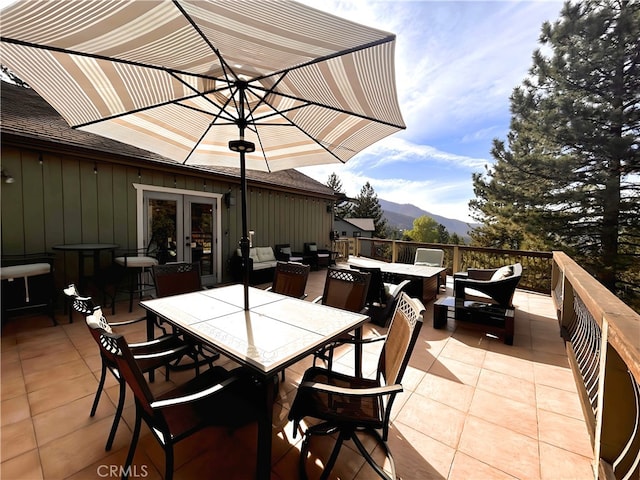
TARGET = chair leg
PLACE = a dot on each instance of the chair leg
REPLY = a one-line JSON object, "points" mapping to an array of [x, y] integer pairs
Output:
{"points": [[132, 287], [370, 461], [168, 463], [103, 374], [134, 443], [319, 429], [118, 415], [334, 456]]}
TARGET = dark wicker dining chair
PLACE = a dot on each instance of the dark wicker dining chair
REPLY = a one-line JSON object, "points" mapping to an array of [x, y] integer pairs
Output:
{"points": [[290, 278], [350, 405], [176, 278], [149, 355], [347, 290], [216, 397], [383, 296]]}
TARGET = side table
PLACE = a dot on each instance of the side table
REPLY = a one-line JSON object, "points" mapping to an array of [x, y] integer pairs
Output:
{"points": [[486, 317]]}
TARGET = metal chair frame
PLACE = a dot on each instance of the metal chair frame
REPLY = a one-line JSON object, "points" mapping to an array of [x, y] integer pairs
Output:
{"points": [[348, 404]]}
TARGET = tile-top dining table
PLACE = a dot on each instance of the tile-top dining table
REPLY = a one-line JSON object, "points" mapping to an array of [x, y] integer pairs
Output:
{"points": [[274, 333]]}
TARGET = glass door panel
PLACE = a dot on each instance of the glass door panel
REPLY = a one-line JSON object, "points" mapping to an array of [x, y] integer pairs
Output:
{"points": [[162, 225], [199, 235]]}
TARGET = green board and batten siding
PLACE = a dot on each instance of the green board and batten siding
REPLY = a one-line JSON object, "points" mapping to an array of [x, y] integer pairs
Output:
{"points": [[59, 198]]}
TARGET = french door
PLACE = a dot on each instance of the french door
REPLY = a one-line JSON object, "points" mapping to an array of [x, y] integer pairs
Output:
{"points": [[181, 226]]}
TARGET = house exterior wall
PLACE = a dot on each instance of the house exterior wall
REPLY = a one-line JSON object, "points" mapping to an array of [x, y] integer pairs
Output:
{"points": [[342, 226], [59, 198]]}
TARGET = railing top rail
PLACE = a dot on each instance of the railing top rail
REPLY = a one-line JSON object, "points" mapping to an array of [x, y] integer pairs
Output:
{"points": [[623, 323], [445, 246]]}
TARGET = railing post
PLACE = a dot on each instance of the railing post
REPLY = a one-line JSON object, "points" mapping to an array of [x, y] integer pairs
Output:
{"points": [[456, 260], [394, 251]]}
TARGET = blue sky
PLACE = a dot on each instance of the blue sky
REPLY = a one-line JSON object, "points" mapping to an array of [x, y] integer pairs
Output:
{"points": [[457, 63]]}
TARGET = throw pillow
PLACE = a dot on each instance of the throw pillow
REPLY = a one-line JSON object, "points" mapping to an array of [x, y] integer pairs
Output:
{"points": [[502, 273]]}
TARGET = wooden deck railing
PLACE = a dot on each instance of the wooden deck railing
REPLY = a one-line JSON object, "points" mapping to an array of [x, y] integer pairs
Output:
{"points": [[602, 336]]}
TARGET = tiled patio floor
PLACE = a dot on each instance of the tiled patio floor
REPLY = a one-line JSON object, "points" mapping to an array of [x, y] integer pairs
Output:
{"points": [[472, 408]]}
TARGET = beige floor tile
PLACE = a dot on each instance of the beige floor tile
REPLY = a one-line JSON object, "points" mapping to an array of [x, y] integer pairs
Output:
{"points": [[559, 464], [41, 363], [417, 455], [564, 432], [17, 438], [9, 351], [22, 467], [15, 409], [412, 378], [461, 352], [557, 359], [456, 371], [543, 343], [507, 386], [558, 401], [61, 393], [510, 364], [516, 416], [111, 467], [435, 419], [55, 374], [62, 457], [465, 467], [218, 452], [65, 419], [348, 465], [446, 391], [554, 376], [12, 381], [501, 448]]}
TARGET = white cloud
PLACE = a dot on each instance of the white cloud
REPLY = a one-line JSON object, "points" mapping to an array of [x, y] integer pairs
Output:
{"points": [[397, 149], [457, 63]]}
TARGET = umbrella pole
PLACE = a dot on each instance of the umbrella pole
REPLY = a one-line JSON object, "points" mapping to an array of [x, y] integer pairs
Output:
{"points": [[242, 146], [244, 241]]}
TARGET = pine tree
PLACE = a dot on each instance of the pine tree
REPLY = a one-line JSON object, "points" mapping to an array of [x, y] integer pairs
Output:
{"points": [[366, 205], [342, 206], [568, 177]]}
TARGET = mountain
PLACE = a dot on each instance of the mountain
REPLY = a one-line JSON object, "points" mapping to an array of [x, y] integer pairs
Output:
{"points": [[401, 216]]}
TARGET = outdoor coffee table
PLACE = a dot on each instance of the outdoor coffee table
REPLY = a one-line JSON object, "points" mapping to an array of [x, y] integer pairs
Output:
{"points": [[486, 317], [427, 278], [276, 332]]}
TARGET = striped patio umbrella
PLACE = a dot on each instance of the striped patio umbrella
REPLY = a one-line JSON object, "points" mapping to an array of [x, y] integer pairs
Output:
{"points": [[264, 85]]}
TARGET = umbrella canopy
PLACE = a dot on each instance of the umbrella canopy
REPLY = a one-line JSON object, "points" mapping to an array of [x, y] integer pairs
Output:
{"points": [[283, 84]]}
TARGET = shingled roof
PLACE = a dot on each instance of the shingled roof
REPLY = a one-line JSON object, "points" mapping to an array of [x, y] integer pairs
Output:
{"points": [[27, 118]]}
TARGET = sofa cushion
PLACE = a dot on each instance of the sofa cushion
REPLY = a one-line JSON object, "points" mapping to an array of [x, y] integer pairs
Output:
{"points": [[253, 254], [265, 254], [502, 273], [264, 265]]}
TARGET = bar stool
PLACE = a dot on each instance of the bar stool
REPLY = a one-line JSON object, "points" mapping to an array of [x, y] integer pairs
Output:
{"points": [[137, 265]]}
